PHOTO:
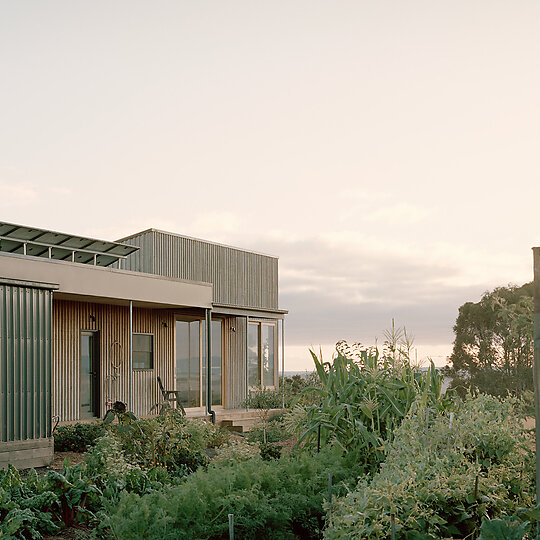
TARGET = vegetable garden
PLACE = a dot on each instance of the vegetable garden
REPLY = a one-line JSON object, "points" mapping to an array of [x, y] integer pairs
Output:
{"points": [[379, 453]]}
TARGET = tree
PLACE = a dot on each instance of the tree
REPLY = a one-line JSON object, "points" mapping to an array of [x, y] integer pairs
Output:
{"points": [[493, 347]]}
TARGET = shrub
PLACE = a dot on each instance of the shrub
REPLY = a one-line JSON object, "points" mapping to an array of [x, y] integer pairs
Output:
{"points": [[236, 450], [270, 432], [168, 440], [283, 496], [293, 389], [77, 437], [264, 398], [440, 480], [269, 451]]}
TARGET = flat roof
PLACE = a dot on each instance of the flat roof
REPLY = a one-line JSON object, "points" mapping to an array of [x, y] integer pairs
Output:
{"points": [[196, 240], [97, 284], [23, 240]]}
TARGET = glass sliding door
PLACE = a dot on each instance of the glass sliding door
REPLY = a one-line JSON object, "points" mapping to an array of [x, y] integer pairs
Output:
{"points": [[191, 362]]}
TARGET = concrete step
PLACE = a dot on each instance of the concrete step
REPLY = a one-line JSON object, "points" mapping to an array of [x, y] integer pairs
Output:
{"points": [[240, 425]]}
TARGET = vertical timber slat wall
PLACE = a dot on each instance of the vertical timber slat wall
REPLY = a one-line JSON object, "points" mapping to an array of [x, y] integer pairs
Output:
{"points": [[235, 372], [240, 278], [25, 375], [112, 322]]}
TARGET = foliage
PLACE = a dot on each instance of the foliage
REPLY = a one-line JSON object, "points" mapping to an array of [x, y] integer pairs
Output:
{"points": [[283, 496], [24, 505], [73, 488], [493, 347], [442, 475], [269, 451], [168, 440], [235, 451], [292, 388], [31, 506], [264, 398], [77, 437], [295, 420], [507, 528], [362, 401], [269, 432], [153, 453]]}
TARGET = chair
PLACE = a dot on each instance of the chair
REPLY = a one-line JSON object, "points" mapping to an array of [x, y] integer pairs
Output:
{"points": [[171, 396]]}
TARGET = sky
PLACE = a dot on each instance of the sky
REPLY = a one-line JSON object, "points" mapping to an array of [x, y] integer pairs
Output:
{"points": [[386, 151]]}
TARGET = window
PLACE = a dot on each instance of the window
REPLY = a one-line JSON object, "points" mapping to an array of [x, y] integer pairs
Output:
{"points": [[143, 351], [262, 354]]}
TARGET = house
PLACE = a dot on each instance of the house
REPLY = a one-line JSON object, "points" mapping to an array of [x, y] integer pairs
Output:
{"points": [[86, 322]]}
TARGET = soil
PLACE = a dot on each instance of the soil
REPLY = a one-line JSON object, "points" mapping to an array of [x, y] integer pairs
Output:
{"points": [[288, 444], [71, 533], [74, 458]]}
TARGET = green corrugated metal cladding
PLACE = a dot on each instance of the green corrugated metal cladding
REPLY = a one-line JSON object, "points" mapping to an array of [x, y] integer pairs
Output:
{"points": [[25, 362]]}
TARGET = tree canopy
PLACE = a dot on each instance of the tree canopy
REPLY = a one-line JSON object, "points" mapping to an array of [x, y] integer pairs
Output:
{"points": [[493, 346]]}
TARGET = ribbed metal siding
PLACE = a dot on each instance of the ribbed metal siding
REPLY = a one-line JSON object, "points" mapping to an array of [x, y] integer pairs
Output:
{"points": [[112, 323], [143, 259], [240, 278], [25, 363]]}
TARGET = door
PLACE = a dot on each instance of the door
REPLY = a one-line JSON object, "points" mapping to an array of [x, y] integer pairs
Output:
{"points": [[89, 388], [188, 362], [191, 362]]}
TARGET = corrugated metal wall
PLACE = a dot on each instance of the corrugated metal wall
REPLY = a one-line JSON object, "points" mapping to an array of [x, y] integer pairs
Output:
{"points": [[240, 278], [25, 363], [112, 323]]}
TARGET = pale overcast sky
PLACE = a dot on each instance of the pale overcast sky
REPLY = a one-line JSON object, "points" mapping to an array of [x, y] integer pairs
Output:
{"points": [[386, 151]]}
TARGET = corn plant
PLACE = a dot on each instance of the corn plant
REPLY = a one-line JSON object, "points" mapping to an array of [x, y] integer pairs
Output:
{"points": [[362, 401]]}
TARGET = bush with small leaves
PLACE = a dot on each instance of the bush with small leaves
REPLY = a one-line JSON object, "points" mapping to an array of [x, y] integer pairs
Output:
{"points": [[77, 437]]}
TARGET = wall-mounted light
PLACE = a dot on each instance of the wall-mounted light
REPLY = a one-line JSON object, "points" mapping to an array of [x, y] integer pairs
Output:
{"points": [[233, 329], [92, 318], [164, 324]]}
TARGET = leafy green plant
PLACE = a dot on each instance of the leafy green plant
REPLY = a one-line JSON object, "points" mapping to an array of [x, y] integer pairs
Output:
{"points": [[270, 451], [506, 528], [168, 442], [362, 401], [31, 506], [271, 432], [25, 504], [264, 398], [72, 488], [442, 475], [77, 437], [292, 389]]}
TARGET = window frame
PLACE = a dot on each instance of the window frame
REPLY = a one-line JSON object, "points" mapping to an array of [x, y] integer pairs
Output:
{"points": [[202, 357], [153, 362], [259, 324]]}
